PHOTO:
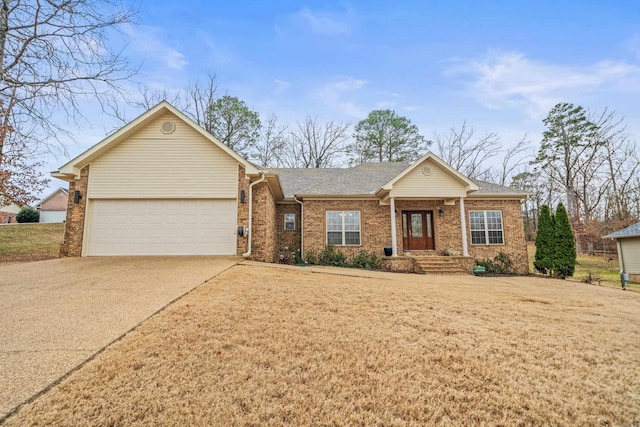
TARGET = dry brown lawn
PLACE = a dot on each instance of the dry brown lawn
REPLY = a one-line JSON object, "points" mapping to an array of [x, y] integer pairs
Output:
{"points": [[262, 345], [30, 242]]}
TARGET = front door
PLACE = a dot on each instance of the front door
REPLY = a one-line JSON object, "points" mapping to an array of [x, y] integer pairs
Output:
{"points": [[417, 230]]}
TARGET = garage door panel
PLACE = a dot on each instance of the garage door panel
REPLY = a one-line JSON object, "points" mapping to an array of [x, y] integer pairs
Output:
{"points": [[162, 227]]}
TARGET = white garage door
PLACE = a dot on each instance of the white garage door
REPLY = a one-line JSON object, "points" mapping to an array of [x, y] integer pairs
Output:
{"points": [[162, 227], [53, 216]]}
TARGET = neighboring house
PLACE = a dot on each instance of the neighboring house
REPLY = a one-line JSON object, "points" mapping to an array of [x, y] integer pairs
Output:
{"points": [[628, 242], [53, 208], [162, 185], [8, 213]]}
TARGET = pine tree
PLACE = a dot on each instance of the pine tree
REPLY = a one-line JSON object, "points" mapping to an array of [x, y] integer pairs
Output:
{"points": [[545, 242], [564, 264]]}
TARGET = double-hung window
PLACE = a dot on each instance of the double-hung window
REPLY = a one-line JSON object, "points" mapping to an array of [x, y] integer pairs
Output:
{"points": [[486, 228], [343, 228], [290, 221]]}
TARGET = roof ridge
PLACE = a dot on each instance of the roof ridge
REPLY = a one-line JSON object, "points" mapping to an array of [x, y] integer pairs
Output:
{"points": [[326, 179]]}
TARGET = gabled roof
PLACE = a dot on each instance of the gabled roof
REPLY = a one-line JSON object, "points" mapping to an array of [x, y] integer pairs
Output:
{"points": [[53, 193], [364, 180], [630, 231], [361, 180], [71, 169], [469, 184], [296, 180]]}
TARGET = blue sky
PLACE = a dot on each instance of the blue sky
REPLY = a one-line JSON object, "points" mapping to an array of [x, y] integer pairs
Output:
{"points": [[499, 65]]}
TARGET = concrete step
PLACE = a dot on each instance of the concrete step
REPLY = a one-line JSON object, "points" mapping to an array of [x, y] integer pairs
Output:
{"points": [[441, 265]]}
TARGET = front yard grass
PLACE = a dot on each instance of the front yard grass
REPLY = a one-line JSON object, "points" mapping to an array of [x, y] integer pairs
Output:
{"points": [[262, 345], [30, 242]]}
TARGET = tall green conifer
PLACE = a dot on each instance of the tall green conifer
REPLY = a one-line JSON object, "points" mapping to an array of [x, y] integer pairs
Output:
{"points": [[564, 261], [545, 242]]}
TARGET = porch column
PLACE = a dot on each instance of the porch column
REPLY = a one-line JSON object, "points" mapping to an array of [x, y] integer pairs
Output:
{"points": [[463, 226], [394, 245]]}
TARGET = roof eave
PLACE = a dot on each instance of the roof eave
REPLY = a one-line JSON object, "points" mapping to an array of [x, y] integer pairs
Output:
{"points": [[335, 196], [614, 237], [499, 195]]}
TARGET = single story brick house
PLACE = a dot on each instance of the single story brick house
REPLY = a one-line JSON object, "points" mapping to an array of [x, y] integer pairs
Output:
{"points": [[162, 185], [53, 208]]}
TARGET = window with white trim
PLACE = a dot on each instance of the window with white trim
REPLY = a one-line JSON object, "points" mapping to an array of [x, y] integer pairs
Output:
{"points": [[289, 221], [343, 228], [486, 227]]}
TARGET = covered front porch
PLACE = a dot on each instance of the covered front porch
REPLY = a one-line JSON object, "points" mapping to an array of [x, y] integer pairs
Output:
{"points": [[428, 236], [427, 211]]}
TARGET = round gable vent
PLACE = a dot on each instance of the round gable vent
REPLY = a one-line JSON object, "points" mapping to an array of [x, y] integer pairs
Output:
{"points": [[426, 170], [167, 127]]}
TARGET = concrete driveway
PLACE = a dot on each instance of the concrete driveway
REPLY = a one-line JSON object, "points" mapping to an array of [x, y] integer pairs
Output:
{"points": [[56, 314]]}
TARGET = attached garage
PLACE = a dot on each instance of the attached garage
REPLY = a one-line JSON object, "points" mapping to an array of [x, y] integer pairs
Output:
{"points": [[161, 185], [161, 227]]}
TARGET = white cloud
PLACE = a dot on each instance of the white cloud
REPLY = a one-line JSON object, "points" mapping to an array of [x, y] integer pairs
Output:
{"points": [[281, 85], [339, 93], [511, 80], [148, 41], [382, 105], [325, 23]]}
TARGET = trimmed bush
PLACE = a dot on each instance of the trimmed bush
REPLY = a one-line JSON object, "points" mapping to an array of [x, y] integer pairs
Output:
{"points": [[333, 257], [365, 259], [330, 256], [501, 264], [28, 214]]}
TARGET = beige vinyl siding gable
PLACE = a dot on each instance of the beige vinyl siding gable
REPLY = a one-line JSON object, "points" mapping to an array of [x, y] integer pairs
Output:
{"points": [[440, 183], [631, 254], [12, 208], [152, 164]]}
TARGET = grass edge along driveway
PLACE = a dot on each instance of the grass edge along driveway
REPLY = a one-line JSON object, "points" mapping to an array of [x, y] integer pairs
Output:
{"points": [[55, 314], [272, 346]]}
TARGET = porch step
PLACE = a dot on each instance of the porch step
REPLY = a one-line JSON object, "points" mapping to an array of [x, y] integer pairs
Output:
{"points": [[443, 264]]}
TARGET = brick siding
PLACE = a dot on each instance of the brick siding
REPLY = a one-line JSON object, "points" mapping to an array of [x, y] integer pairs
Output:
{"points": [[4, 217], [263, 240], [376, 230], [56, 203], [513, 231], [243, 209], [74, 227], [287, 238]]}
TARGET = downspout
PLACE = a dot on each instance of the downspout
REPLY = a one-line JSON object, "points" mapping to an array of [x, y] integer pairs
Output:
{"points": [[301, 226], [248, 253]]}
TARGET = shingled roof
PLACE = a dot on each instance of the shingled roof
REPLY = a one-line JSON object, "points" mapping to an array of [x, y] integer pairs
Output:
{"points": [[630, 231], [362, 180]]}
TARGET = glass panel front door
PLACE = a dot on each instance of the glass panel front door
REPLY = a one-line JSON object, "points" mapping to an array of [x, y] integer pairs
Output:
{"points": [[414, 225]]}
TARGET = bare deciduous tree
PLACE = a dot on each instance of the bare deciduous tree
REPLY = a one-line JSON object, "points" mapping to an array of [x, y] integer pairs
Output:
{"points": [[512, 159], [53, 54], [314, 145], [269, 151], [467, 155], [199, 97]]}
